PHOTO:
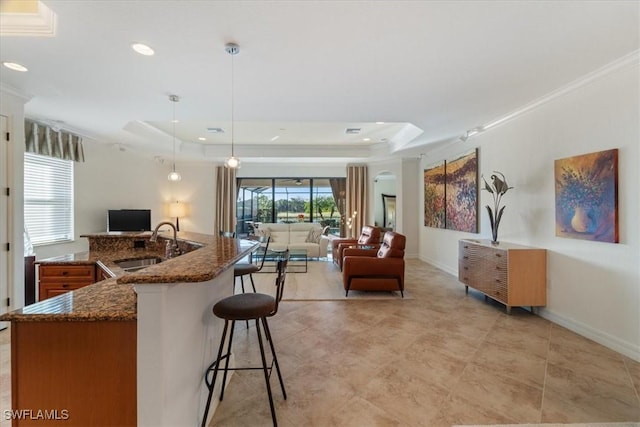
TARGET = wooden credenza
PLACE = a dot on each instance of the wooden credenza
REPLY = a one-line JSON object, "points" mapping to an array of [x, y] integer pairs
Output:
{"points": [[512, 274]]}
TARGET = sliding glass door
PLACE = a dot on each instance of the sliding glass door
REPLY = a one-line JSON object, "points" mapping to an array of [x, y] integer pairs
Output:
{"points": [[288, 200]]}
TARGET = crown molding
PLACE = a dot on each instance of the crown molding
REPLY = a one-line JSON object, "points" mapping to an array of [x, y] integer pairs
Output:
{"points": [[629, 60], [40, 24], [5, 88]]}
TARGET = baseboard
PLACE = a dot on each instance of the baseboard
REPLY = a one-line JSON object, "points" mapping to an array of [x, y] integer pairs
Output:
{"points": [[441, 266], [616, 344]]}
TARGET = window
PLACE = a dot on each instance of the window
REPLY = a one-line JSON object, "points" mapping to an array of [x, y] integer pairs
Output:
{"points": [[48, 199]]}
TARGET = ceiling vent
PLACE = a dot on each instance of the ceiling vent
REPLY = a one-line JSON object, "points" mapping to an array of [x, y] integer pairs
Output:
{"points": [[352, 131], [215, 130]]}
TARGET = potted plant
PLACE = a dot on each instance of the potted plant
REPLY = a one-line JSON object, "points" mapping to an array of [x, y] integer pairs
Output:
{"points": [[497, 188]]}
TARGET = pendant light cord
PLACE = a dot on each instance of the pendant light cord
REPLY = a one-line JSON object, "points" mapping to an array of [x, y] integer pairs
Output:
{"points": [[173, 121], [232, 104]]}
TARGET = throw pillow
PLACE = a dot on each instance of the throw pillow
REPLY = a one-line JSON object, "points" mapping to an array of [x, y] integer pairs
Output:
{"points": [[263, 232], [314, 235]]}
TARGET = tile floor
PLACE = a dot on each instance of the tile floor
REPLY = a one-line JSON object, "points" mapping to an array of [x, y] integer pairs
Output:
{"points": [[442, 358]]}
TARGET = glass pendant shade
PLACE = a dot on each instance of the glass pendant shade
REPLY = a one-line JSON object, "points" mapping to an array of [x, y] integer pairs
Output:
{"points": [[232, 162], [174, 176]]}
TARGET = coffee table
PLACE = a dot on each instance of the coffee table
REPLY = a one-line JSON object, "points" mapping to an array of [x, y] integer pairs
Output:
{"points": [[298, 260]]}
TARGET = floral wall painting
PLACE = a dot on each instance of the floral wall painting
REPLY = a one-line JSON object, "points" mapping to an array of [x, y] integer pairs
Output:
{"points": [[587, 196], [461, 192], [434, 199]]}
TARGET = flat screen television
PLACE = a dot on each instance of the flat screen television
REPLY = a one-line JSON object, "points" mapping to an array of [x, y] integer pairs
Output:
{"points": [[129, 220]]}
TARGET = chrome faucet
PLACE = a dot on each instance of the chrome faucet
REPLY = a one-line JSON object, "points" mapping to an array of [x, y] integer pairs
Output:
{"points": [[172, 248]]}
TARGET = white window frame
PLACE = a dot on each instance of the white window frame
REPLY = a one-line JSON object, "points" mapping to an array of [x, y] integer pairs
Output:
{"points": [[48, 199]]}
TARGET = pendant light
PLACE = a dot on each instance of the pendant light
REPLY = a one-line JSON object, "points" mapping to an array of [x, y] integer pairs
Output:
{"points": [[232, 162], [173, 175]]}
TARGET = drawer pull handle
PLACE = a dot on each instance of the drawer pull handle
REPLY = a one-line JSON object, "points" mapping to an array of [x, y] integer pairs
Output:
{"points": [[64, 273], [465, 257], [499, 255], [466, 268], [497, 267], [65, 285], [466, 246]]}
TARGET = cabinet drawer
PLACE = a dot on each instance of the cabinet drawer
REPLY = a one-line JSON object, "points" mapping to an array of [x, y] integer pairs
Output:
{"points": [[52, 289], [81, 272]]}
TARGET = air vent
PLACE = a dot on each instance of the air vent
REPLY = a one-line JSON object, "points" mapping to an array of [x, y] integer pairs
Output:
{"points": [[353, 131], [215, 130]]}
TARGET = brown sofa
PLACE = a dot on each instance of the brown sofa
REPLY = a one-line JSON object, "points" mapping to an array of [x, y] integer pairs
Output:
{"points": [[370, 235], [371, 270]]}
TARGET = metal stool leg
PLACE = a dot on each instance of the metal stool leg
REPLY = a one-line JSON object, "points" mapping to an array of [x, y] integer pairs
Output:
{"points": [[266, 374], [253, 285], [226, 362], [215, 373], [267, 333]]}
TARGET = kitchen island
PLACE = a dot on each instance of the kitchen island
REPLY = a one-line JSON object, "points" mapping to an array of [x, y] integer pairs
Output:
{"points": [[129, 350]]}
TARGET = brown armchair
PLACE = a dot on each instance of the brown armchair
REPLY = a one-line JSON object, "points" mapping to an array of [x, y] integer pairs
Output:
{"points": [[370, 235], [370, 270]]}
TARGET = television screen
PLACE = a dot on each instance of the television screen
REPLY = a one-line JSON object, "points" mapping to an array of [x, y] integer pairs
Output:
{"points": [[129, 220]]}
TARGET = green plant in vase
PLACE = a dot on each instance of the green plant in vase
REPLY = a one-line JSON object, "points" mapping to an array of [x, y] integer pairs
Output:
{"points": [[497, 188]]}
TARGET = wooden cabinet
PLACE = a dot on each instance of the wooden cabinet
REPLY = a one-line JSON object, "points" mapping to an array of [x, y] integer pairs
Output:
{"points": [[102, 272], [512, 274], [56, 279]]}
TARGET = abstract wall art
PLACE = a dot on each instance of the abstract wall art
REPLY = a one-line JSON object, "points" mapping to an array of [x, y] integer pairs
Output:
{"points": [[587, 196], [434, 195], [461, 192]]}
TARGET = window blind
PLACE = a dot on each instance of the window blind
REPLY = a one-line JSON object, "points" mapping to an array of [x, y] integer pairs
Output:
{"points": [[48, 199]]}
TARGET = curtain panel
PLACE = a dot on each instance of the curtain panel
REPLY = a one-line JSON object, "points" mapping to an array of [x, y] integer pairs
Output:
{"points": [[357, 200], [226, 196], [44, 140], [339, 191]]}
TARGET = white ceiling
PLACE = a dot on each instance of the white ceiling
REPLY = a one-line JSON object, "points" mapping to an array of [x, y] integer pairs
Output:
{"points": [[429, 69]]}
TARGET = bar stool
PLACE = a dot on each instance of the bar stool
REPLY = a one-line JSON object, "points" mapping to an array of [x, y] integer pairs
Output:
{"points": [[241, 269], [250, 306]]}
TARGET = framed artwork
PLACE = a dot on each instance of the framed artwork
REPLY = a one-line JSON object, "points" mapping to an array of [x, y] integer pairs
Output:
{"points": [[434, 195], [587, 196], [389, 211], [461, 192]]}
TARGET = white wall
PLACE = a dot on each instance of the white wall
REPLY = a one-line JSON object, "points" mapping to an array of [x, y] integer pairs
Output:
{"points": [[292, 170], [593, 288], [406, 198], [385, 185], [114, 179], [12, 106]]}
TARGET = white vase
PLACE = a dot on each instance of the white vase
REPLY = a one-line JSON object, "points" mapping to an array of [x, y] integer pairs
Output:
{"points": [[581, 221]]}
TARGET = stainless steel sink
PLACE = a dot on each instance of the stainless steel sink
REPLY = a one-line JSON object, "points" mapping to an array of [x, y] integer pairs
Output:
{"points": [[137, 264]]}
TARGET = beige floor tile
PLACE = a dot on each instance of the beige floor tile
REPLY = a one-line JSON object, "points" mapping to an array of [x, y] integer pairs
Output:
{"points": [[506, 396], [442, 358], [576, 397]]}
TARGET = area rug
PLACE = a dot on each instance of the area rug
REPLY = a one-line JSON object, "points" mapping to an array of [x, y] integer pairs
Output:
{"points": [[321, 282]]}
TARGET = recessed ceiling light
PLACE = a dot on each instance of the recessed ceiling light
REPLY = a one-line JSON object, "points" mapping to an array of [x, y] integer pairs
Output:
{"points": [[175, 121], [142, 49], [366, 139], [202, 138], [15, 66], [275, 137], [379, 123]]}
